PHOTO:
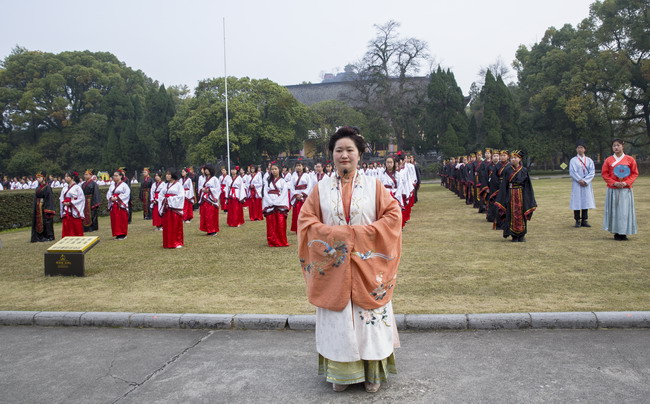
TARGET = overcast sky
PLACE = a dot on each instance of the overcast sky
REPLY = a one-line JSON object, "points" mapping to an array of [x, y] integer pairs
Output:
{"points": [[287, 41]]}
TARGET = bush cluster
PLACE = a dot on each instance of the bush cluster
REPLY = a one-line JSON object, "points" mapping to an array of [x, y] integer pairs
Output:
{"points": [[16, 206]]}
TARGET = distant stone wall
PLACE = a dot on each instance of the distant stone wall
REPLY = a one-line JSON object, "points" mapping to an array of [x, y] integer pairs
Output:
{"points": [[310, 94]]}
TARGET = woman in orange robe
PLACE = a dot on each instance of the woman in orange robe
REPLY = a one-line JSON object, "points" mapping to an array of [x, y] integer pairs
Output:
{"points": [[350, 241]]}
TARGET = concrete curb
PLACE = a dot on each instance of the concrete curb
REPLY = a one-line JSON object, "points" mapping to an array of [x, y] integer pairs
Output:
{"points": [[413, 322]]}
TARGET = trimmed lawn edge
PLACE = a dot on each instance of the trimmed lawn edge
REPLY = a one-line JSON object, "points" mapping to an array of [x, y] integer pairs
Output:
{"points": [[411, 322]]}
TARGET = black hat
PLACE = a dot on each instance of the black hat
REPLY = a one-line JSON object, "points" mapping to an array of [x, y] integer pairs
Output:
{"points": [[581, 143]]}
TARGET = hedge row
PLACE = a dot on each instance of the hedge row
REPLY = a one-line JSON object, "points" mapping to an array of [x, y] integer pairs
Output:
{"points": [[16, 206]]}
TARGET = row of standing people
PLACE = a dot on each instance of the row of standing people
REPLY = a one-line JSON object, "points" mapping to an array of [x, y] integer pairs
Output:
{"points": [[261, 193], [619, 171], [497, 185]]}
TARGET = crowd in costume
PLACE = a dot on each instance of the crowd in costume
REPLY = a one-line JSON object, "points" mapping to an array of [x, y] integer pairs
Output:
{"points": [[495, 182], [497, 185], [266, 196]]}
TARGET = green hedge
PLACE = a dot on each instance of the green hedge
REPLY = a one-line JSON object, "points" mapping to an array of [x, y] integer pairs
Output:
{"points": [[16, 206]]}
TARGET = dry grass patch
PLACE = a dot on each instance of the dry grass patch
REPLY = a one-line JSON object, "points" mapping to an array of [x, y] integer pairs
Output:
{"points": [[452, 263]]}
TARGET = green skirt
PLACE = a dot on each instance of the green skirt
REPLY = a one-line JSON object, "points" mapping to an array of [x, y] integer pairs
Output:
{"points": [[356, 372]]}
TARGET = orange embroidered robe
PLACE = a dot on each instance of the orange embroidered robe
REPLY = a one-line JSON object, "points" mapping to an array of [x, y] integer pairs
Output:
{"points": [[350, 242]]}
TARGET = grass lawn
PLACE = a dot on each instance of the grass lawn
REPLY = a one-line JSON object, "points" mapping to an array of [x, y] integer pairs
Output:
{"points": [[453, 262]]}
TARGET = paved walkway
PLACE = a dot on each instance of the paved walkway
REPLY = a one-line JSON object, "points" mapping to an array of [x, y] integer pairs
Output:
{"points": [[131, 365]]}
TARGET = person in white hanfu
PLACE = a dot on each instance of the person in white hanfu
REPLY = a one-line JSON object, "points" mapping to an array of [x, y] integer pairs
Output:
{"points": [[118, 197], [349, 244], [582, 171], [72, 203]]}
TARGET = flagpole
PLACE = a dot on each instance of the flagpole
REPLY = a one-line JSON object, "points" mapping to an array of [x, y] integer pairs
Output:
{"points": [[225, 74]]}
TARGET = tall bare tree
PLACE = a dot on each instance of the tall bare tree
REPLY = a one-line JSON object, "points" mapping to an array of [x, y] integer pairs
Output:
{"points": [[385, 84]]}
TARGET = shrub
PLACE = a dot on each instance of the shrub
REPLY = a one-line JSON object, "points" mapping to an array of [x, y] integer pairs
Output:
{"points": [[16, 206]]}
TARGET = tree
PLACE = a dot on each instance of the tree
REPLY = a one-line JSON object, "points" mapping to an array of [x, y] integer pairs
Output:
{"points": [[78, 110], [445, 112], [385, 85], [265, 119], [332, 114], [621, 33], [497, 115]]}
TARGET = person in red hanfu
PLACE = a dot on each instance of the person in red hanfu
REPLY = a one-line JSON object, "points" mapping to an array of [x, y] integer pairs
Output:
{"points": [[209, 202], [188, 186], [246, 177], [236, 198], [317, 174], [391, 180], [276, 208], [224, 182], [118, 196], [255, 198], [300, 187], [199, 184], [171, 209], [157, 192], [329, 169], [72, 203]]}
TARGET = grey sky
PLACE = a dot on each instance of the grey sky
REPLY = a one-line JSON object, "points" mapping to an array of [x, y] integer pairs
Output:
{"points": [[287, 41]]}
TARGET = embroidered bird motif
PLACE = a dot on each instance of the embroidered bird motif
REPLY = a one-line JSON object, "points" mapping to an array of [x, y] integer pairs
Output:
{"points": [[371, 254], [328, 249]]}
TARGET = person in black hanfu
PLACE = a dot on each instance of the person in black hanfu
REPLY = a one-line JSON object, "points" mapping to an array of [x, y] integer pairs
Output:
{"points": [[93, 200], [43, 216], [516, 200], [145, 193]]}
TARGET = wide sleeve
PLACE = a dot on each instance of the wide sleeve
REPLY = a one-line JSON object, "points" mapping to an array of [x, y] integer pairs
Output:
{"points": [[125, 197], [574, 169], [634, 172], [78, 200], [530, 204], [177, 197], [376, 253], [152, 195], [109, 195], [96, 199], [324, 257], [607, 172], [591, 171], [281, 200]]}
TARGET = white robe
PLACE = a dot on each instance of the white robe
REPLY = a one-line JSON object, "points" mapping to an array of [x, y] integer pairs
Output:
{"points": [[238, 186], [77, 201], [273, 201], [214, 191], [582, 169], [123, 193], [157, 188], [304, 180], [175, 201], [257, 183], [188, 186]]}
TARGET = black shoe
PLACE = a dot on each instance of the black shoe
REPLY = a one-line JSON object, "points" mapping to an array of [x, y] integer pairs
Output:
{"points": [[623, 237], [617, 236], [212, 234], [577, 223], [522, 239], [585, 224], [514, 239]]}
